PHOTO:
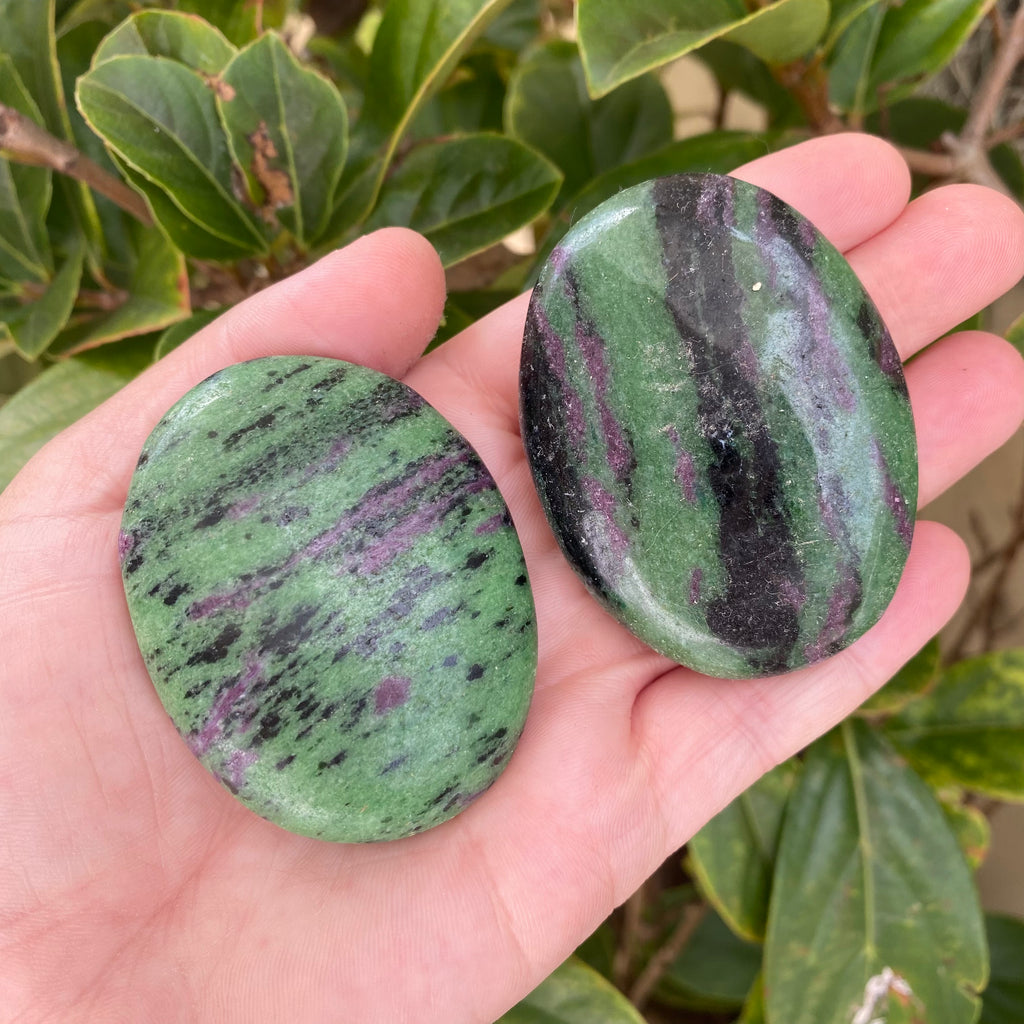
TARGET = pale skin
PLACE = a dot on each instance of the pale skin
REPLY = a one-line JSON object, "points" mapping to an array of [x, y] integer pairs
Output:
{"points": [[134, 888]]}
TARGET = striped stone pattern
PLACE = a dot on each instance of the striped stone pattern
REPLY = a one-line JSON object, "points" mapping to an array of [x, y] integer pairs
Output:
{"points": [[718, 426], [330, 598]]}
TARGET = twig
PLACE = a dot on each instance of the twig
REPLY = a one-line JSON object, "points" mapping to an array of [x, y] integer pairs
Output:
{"points": [[983, 612], [990, 91], [641, 991], [26, 142], [625, 952]]}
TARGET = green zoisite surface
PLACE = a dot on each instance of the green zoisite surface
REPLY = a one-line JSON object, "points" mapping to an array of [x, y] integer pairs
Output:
{"points": [[330, 598], [718, 426]]}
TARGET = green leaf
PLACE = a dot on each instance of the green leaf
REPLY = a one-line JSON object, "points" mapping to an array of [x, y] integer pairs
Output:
{"points": [[29, 39], [156, 290], [910, 681], [515, 28], [59, 396], [177, 334], [1015, 334], [842, 14], [467, 193], [970, 826], [714, 151], [288, 130], [715, 971], [733, 855], [874, 910], [888, 48], [161, 119], [919, 37], [969, 729], [24, 197], [181, 230], [417, 45], [472, 101], [241, 21], [186, 38], [753, 1008], [548, 108], [598, 950], [574, 994], [1003, 1001], [622, 39], [33, 326], [849, 78]]}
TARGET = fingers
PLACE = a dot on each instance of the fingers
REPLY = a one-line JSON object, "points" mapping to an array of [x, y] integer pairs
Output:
{"points": [[747, 727], [849, 186], [949, 254], [967, 393], [376, 302]]}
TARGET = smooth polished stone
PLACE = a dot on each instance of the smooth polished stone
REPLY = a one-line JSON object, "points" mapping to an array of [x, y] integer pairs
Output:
{"points": [[718, 426], [330, 598]]}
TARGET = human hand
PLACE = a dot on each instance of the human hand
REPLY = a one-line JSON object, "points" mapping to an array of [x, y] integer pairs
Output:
{"points": [[136, 889]]}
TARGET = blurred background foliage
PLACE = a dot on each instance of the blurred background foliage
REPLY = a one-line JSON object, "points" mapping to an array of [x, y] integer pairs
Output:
{"points": [[161, 162]]}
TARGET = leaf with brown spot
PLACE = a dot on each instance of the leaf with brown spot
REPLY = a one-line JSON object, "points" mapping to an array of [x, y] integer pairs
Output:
{"points": [[275, 182], [288, 131]]}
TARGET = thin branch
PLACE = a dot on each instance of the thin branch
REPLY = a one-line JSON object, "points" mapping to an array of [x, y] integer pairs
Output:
{"points": [[23, 140], [935, 165], [644, 986], [990, 91], [625, 952], [1007, 134]]}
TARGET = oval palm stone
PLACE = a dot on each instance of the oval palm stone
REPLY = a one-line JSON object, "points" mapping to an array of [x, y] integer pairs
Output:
{"points": [[718, 426], [330, 597]]}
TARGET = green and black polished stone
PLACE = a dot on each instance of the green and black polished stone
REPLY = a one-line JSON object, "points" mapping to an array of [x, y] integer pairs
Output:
{"points": [[718, 426], [330, 598]]}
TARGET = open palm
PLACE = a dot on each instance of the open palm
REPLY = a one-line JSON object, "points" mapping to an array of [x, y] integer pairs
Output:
{"points": [[134, 888]]}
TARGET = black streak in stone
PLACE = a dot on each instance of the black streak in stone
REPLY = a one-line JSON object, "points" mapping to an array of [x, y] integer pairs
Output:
{"points": [[755, 541]]}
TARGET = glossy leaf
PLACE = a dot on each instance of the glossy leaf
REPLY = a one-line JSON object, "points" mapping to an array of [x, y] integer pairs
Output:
{"points": [[156, 295], [177, 334], [185, 233], [919, 37], [911, 680], [622, 39], [874, 910], [1003, 999], [969, 729], [574, 994], [34, 325], [186, 38], [548, 108], [416, 47], [715, 971], [842, 14], [59, 396], [467, 193], [733, 855], [887, 48], [849, 77], [288, 130], [161, 119], [971, 828], [24, 197]]}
